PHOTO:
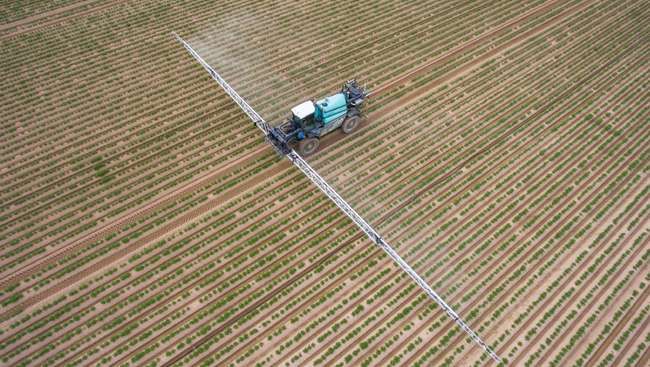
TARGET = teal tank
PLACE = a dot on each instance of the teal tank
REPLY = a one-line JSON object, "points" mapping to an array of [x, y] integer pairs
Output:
{"points": [[331, 108]]}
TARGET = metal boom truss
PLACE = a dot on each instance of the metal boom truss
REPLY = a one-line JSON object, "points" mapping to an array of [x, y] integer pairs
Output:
{"points": [[308, 171]]}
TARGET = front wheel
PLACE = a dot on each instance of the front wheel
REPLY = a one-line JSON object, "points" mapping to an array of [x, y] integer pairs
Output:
{"points": [[350, 124], [308, 146]]}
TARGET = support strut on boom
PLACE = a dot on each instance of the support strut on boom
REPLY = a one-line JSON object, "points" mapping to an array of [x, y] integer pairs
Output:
{"points": [[307, 170]]}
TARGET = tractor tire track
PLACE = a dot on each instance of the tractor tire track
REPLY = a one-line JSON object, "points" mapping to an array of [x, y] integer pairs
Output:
{"points": [[513, 337], [270, 91], [198, 212]]}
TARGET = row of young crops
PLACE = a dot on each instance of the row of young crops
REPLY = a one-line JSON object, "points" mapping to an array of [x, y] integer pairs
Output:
{"points": [[522, 160]]}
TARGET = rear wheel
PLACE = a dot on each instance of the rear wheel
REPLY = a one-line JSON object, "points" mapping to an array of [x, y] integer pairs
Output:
{"points": [[350, 124], [308, 146]]}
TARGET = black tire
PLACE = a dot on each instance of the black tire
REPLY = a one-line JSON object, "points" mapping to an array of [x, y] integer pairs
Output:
{"points": [[350, 124], [308, 146]]}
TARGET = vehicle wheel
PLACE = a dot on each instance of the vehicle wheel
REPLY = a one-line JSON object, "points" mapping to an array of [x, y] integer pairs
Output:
{"points": [[308, 146], [350, 124]]}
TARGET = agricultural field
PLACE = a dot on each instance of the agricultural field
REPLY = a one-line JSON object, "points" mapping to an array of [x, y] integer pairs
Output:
{"points": [[505, 153]]}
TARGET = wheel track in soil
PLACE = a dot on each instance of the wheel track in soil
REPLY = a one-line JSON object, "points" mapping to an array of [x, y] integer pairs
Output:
{"points": [[581, 342], [224, 326], [404, 79], [512, 337], [136, 218], [570, 303], [34, 266], [415, 224], [166, 228], [177, 222], [227, 115], [192, 234], [600, 155], [644, 358], [412, 358], [621, 323], [439, 334], [45, 14], [63, 232], [410, 299], [490, 54], [157, 191], [164, 179], [332, 141], [458, 224], [225, 102], [196, 282], [545, 258]]}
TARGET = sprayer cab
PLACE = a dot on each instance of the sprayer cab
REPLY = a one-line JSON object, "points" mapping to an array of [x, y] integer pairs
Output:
{"points": [[309, 121]]}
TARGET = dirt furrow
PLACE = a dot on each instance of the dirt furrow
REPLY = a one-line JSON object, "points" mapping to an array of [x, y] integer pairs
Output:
{"points": [[638, 336], [363, 45], [20, 30], [132, 215]]}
